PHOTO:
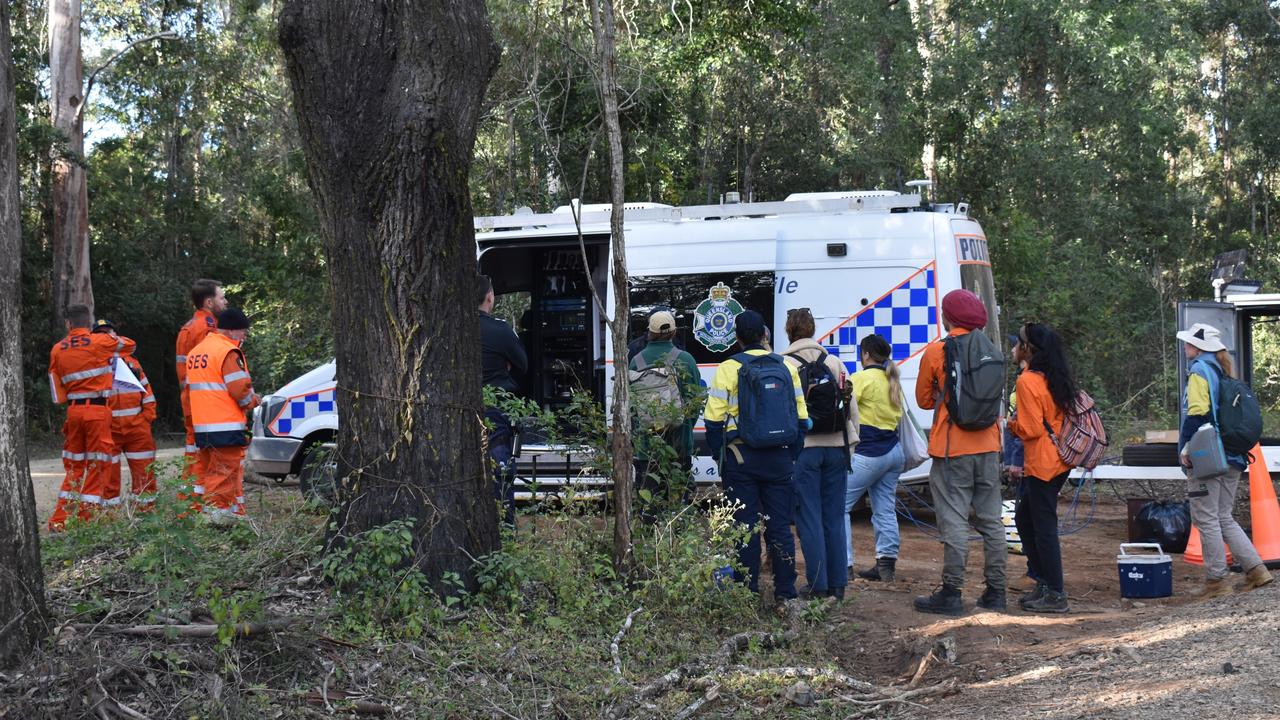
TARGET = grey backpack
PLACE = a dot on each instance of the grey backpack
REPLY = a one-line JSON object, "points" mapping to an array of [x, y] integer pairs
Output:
{"points": [[974, 368], [656, 403]]}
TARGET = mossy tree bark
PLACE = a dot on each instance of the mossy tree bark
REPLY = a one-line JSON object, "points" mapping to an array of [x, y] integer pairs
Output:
{"points": [[387, 95]]}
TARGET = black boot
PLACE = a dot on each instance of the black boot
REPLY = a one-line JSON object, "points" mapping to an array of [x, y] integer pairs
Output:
{"points": [[992, 599], [887, 567], [946, 601], [1051, 601], [871, 573], [1035, 594]]}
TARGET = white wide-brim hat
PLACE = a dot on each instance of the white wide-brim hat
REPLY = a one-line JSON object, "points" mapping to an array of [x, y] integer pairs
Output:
{"points": [[1205, 337]]}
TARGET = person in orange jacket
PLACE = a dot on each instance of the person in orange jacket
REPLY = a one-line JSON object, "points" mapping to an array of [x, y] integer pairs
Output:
{"points": [[1046, 391], [965, 474], [132, 412], [221, 392], [80, 374], [209, 300]]}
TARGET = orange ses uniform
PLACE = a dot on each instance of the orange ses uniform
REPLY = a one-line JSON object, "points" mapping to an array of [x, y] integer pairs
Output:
{"points": [[946, 439], [1035, 408], [221, 392], [132, 413], [81, 374], [197, 328]]}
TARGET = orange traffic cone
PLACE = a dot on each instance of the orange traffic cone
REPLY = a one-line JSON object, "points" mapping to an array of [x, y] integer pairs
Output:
{"points": [[1264, 510], [1194, 554]]}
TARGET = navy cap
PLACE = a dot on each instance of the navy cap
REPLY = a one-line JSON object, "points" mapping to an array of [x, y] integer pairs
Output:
{"points": [[103, 325], [750, 326], [1014, 340], [232, 319]]}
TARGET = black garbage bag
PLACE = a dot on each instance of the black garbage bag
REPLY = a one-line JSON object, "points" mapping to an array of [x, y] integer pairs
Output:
{"points": [[1167, 523]]}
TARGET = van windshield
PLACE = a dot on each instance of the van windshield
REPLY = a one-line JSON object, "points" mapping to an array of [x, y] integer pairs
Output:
{"points": [[976, 278]]}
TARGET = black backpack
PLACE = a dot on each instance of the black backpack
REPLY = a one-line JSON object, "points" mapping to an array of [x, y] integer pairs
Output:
{"points": [[974, 368], [827, 407], [1238, 415]]}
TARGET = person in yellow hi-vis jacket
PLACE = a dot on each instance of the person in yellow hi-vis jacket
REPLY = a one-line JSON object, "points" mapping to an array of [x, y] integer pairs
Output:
{"points": [[756, 420]]}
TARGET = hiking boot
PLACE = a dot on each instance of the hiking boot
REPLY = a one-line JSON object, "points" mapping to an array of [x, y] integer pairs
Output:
{"points": [[1255, 578], [993, 599], [1034, 594], [872, 573], [1050, 601], [836, 592], [944, 601], [1220, 587], [882, 571]]}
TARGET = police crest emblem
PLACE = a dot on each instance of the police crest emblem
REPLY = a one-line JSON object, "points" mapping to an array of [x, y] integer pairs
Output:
{"points": [[713, 319]]}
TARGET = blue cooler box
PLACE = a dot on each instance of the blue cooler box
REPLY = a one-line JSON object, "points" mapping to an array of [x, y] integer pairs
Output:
{"points": [[1144, 575]]}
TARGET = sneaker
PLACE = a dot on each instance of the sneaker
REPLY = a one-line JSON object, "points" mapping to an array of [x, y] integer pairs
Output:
{"points": [[1035, 594], [1051, 601], [993, 599], [944, 601]]}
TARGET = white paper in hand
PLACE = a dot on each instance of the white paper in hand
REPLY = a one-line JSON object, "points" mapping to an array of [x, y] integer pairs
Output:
{"points": [[125, 380]]}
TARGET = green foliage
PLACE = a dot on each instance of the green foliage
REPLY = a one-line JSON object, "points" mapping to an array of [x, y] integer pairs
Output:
{"points": [[378, 589]]}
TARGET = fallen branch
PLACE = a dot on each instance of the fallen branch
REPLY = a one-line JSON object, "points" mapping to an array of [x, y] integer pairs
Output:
{"points": [[920, 670], [692, 709], [617, 639], [363, 707], [191, 631]]}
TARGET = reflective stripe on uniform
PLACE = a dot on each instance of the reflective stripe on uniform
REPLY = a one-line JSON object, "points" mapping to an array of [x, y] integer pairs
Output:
{"points": [[145, 382], [100, 456], [237, 375], [141, 455], [190, 449], [245, 401], [88, 395], [113, 501], [180, 358], [148, 399], [198, 489], [53, 387], [92, 499], [219, 427], [207, 386], [718, 393], [85, 374], [126, 412], [72, 456]]}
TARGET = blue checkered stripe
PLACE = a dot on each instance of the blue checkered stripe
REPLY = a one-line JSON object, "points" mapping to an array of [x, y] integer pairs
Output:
{"points": [[907, 317], [302, 407]]}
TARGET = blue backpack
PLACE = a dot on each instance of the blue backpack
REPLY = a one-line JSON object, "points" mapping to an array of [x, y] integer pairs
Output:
{"points": [[767, 416]]}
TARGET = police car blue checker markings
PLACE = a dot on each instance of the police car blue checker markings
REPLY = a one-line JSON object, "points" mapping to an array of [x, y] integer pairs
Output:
{"points": [[906, 316], [302, 407]]}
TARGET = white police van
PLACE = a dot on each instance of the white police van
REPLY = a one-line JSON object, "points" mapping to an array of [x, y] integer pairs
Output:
{"points": [[863, 262]]}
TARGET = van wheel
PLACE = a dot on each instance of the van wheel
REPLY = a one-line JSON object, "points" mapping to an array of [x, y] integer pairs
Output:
{"points": [[318, 477], [1150, 455]]}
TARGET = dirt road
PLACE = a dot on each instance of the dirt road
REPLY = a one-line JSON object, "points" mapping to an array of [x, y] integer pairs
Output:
{"points": [[47, 473], [1108, 658]]}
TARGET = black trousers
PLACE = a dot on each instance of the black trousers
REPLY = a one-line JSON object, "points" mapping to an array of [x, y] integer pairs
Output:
{"points": [[1037, 521], [501, 445]]}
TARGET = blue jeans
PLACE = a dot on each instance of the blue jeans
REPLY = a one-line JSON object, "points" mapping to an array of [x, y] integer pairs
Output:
{"points": [[501, 445], [763, 483], [821, 478], [877, 478]]}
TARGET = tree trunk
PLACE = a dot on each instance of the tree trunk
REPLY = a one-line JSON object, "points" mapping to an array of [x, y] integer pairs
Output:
{"points": [[22, 611], [387, 96], [71, 282], [603, 26]]}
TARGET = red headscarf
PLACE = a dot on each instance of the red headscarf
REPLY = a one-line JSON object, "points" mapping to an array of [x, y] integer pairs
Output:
{"points": [[964, 309]]}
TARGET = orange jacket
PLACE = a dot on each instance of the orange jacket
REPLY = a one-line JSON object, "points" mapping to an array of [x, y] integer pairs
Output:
{"points": [[1035, 408], [945, 439], [127, 404], [197, 328], [80, 366], [221, 391]]}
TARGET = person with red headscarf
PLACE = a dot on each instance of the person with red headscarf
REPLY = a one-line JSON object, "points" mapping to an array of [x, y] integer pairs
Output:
{"points": [[965, 473]]}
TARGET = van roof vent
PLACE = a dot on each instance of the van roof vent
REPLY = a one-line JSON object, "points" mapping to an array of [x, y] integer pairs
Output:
{"points": [[608, 207], [841, 195]]}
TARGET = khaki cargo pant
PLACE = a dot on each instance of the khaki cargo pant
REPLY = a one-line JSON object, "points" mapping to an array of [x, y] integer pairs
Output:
{"points": [[959, 484], [1212, 517]]}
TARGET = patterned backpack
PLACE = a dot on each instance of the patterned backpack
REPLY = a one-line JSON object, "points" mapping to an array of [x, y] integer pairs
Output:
{"points": [[1082, 441]]}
